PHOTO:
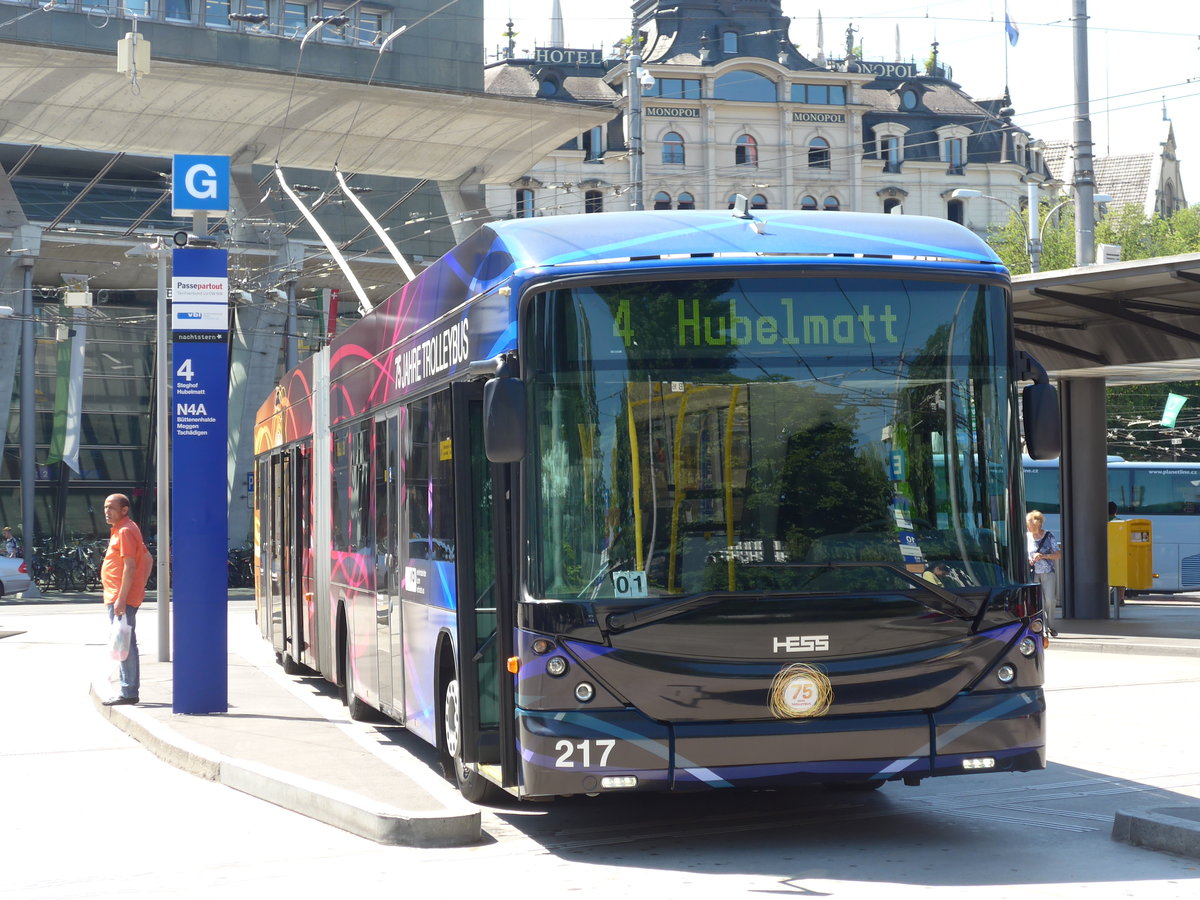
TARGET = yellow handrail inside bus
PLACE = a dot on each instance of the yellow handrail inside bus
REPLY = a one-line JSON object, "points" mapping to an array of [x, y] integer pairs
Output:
{"points": [[636, 474], [728, 473]]}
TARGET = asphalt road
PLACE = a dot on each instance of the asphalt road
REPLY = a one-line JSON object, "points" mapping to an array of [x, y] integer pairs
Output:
{"points": [[88, 813]]}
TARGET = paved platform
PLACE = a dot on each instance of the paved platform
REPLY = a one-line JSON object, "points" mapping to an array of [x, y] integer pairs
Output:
{"points": [[275, 744], [282, 741]]}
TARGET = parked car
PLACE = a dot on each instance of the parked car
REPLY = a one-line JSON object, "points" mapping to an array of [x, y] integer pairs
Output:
{"points": [[14, 576]]}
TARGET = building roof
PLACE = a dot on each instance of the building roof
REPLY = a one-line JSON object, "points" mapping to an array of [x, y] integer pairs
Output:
{"points": [[524, 78], [1125, 178]]}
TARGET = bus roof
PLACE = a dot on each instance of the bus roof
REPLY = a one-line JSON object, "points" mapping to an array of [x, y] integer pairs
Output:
{"points": [[618, 236]]}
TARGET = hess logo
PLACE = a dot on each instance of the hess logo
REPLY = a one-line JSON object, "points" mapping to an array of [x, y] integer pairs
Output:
{"points": [[802, 643]]}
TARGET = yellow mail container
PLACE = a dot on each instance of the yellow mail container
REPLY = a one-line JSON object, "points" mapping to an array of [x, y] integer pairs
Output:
{"points": [[1131, 554]]}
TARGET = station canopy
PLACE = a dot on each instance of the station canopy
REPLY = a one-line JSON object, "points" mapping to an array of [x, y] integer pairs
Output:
{"points": [[1129, 323], [270, 116]]}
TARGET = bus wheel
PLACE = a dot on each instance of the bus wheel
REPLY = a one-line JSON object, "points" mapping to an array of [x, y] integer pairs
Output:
{"points": [[360, 710], [471, 784]]}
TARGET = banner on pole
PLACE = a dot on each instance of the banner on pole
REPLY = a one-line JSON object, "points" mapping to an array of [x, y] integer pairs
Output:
{"points": [[1171, 410]]}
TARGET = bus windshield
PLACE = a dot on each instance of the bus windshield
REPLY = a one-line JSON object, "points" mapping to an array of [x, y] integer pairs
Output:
{"points": [[769, 434]]}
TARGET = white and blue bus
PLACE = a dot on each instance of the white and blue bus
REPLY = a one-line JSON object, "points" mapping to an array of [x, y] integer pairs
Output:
{"points": [[1165, 493], [671, 500]]}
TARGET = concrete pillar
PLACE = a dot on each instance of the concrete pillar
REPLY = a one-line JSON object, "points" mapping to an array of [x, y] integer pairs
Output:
{"points": [[1084, 468], [465, 205]]}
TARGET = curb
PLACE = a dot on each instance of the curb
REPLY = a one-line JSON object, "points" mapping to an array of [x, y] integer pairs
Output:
{"points": [[340, 808], [1090, 644], [1175, 829]]}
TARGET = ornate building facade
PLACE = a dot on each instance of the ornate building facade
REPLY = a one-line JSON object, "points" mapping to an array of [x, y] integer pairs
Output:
{"points": [[728, 105]]}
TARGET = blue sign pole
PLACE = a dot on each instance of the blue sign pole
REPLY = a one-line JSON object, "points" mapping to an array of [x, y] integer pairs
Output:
{"points": [[199, 509]]}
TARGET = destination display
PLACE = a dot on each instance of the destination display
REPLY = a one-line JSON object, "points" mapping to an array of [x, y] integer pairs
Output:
{"points": [[724, 324]]}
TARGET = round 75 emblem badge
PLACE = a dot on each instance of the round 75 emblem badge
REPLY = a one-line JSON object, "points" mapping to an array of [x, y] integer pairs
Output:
{"points": [[801, 691]]}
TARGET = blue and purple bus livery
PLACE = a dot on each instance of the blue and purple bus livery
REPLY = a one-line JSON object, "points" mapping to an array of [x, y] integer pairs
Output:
{"points": [[671, 501]]}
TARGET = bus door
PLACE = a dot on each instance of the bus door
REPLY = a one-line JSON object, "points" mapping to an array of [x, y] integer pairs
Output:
{"points": [[387, 559], [299, 557], [485, 594], [279, 541]]}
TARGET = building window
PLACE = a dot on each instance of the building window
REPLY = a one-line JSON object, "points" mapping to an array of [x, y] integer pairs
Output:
{"points": [[891, 152], [686, 201], [370, 27], [831, 204], [891, 205], [672, 152], [593, 202], [254, 8], [593, 144], [819, 94], [674, 89], [216, 13], [662, 200], [179, 11], [746, 151], [335, 33], [729, 42], [758, 201], [908, 99], [745, 87], [818, 153], [954, 211], [808, 202], [525, 198], [295, 19], [953, 148]]}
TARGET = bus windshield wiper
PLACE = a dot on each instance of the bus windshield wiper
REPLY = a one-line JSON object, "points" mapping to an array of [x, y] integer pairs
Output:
{"points": [[635, 617]]}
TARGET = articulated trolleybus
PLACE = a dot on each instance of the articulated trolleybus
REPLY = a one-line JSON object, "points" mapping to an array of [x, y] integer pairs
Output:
{"points": [[663, 501]]}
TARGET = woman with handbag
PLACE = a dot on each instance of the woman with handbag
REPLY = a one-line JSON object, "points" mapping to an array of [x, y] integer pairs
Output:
{"points": [[1043, 551]]}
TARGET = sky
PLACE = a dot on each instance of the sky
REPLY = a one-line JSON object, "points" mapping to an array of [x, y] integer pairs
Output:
{"points": [[1141, 54]]}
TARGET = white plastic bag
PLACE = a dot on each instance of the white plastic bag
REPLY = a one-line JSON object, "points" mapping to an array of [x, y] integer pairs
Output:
{"points": [[118, 639]]}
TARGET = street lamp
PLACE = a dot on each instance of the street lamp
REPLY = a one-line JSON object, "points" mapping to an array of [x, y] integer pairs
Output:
{"points": [[1034, 227]]}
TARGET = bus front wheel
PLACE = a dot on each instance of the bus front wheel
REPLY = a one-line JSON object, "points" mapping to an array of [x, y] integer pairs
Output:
{"points": [[471, 784]]}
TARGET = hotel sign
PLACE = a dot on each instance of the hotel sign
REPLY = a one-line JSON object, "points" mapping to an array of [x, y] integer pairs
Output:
{"points": [[823, 118], [671, 112], [889, 69], [561, 56]]}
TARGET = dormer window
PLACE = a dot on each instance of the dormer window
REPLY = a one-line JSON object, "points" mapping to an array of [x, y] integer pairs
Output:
{"points": [[908, 99], [952, 141], [729, 42], [889, 144]]}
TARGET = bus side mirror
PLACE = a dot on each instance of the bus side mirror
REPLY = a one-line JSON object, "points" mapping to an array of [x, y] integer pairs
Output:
{"points": [[1043, 428], [504, 419]]}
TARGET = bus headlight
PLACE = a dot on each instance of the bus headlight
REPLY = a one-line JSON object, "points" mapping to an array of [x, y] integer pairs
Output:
{"points": [[556, 666], [584, 692], [1028, 646]]}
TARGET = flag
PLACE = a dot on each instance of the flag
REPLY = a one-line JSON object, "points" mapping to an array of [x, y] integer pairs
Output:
{"points": [[1011, 29], [68, 396], [1171, 410]]}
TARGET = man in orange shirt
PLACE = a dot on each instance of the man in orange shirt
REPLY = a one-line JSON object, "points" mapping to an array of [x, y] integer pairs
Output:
{"points": [[123, 592]]}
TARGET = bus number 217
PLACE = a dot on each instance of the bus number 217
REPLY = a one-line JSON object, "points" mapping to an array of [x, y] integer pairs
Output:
{"points": [[567, 752]]}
